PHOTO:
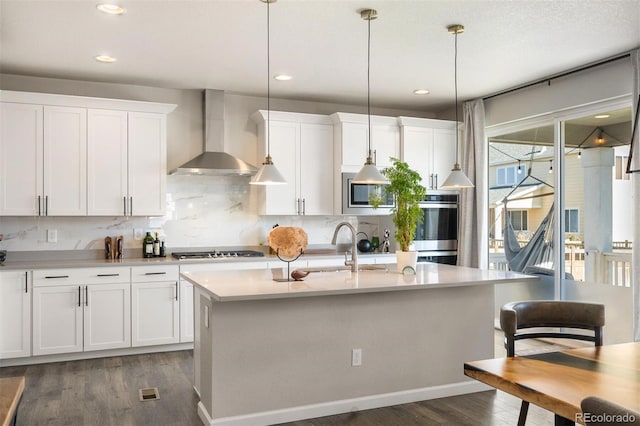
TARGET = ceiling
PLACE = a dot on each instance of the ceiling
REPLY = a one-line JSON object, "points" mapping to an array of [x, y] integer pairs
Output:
{"points": [[216, 44]]}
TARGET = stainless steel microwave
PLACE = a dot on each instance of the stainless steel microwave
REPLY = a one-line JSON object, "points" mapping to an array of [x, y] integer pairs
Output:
{"points": [[355, 197]]}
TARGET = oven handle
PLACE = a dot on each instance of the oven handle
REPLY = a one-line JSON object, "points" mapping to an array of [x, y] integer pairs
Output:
{"points": [[438, 205], [437, 253]]}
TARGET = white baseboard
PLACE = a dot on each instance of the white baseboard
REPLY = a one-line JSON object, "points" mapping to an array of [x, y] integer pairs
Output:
{"points": [[41, 359], [342, 406]]}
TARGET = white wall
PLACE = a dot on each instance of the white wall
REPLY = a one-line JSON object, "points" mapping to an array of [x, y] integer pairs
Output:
{"points": [[201, 211]]}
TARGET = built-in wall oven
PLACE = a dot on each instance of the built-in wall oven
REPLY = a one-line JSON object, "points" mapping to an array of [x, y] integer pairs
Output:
{"points": [[437, 236]]}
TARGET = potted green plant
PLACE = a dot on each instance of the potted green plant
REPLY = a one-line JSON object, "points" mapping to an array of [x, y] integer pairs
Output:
{"points": [[405, 186]]}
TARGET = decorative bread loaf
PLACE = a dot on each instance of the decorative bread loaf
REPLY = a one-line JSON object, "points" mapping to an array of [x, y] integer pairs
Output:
{"points": [[288, 241]]}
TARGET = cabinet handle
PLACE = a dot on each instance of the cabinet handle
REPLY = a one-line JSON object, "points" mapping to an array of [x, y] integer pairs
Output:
{"points": [[79, 295], [375, 157], [26, 282], [176, 290], [130, 206], [124, 202], [436, 178], [108, 275], [155, 273], [304, 206], [86, 295], [39, 211], [46, 205], [57, 276]]}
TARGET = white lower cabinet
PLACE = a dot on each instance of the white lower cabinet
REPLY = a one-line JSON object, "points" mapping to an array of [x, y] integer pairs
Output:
{"points": [[15, 314], [155, 307], [76, 310], [186, 312]]}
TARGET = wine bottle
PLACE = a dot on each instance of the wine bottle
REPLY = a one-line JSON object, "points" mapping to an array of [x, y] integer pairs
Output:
{"points": [[156, 246], [147, 245]]}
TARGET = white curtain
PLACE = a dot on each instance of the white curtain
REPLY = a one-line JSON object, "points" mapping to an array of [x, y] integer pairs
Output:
{"points": [[473, 239], [635, 264]]}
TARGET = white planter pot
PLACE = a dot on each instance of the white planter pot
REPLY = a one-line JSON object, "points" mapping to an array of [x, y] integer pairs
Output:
{"points": [[406, 258]]}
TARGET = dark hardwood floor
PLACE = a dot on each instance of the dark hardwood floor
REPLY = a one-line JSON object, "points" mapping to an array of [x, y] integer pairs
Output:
{"points": [[104, 391]]}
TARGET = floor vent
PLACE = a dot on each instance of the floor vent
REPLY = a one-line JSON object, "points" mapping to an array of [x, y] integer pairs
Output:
{"points": [[149, 394]]}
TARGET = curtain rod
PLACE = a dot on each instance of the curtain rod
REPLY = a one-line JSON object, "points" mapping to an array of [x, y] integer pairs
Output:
{"points": [[563, 74]]}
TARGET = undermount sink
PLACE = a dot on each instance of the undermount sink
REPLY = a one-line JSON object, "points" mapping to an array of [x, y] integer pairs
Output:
{"points": [[345, 268]]}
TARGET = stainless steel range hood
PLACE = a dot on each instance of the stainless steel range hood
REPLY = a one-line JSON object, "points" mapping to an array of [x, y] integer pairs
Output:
{"points": [[214, 161]]}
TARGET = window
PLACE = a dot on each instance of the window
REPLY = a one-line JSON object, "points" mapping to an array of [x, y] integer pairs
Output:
{"points": [[571, 220], [509, 176], [621, 168], [518, 220]]}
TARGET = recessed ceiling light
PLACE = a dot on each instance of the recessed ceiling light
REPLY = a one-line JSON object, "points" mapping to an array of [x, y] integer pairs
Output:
{"points": [[421, 92], [111, 9], [283, 77], [602, 116], [105, 58]]}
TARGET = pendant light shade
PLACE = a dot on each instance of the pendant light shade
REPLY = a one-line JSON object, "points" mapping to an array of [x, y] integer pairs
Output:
{"points": [[268, 174], [457, 179], [369, 172]]}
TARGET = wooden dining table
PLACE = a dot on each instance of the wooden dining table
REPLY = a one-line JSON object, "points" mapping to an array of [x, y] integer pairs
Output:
{"points": [[558, 381]]}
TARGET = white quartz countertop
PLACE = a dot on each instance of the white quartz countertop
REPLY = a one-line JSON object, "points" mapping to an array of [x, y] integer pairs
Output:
{"points": [[238, 285]]}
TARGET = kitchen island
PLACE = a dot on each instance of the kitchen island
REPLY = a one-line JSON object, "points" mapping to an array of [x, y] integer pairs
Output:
{"points": [[339, 341]]}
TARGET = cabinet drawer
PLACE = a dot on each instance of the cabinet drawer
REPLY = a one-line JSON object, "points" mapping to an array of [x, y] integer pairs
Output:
{"points": [[47, 277], [121, 274], [142, 274]]}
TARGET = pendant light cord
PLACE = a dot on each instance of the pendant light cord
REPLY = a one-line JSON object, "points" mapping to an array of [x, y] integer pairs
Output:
{"points": [[369, 79], [455, 83], [268, 86]]}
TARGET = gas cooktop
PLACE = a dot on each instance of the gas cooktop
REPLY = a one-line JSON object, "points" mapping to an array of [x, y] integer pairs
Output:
{"points": [[216, 254]]}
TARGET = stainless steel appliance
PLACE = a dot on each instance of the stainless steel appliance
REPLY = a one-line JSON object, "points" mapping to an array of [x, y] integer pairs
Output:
{"points": [[437, 236], [355, 197], [216, 254]]}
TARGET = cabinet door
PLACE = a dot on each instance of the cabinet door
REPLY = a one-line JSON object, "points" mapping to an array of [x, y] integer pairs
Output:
{"points": [[417, 152], [385, 141], [15, 314], [186, 311], [154, 313], [147, 169], [57, 320], [283, 199], [21, 157], [107, 316], [316, 168], [65, 161], [444, 154], [354, 144], [107, 163]]}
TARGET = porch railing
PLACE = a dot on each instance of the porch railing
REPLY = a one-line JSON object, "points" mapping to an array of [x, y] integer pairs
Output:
{"points": [[591, 266]]}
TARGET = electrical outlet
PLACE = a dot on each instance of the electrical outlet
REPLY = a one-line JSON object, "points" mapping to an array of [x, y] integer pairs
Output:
{"points": [[138, 234], [356, 357], [52, 235]]}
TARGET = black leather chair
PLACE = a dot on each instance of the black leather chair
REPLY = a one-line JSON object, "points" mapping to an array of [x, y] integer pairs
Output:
{"points": [[564, 317], [600, 412]]}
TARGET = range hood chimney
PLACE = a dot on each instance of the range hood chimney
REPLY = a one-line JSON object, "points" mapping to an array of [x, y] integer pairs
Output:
{"points": [[214, 161]]}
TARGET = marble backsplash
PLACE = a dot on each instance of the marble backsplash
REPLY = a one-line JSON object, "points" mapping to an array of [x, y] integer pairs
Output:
{"points": [[202, 211]]}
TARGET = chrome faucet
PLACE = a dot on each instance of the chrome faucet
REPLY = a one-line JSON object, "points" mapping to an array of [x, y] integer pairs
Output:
{"points": [[354, 250]]}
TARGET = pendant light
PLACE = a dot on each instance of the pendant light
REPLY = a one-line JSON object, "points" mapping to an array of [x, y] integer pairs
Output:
{"points": [[369, 172], [457, 179], [268, 174]]}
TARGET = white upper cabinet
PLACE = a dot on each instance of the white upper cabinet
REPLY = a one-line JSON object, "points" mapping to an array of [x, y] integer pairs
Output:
{"points": [[127, 163], [71, 156], [301, 146], [352, 145], [21, 159], [65, 161], [43, 155], [429, 147]]}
